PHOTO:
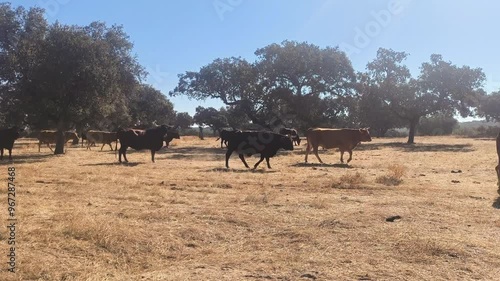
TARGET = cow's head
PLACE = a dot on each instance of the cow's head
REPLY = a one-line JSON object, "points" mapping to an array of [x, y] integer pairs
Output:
{"points": [[286, 143], [365, 135]]}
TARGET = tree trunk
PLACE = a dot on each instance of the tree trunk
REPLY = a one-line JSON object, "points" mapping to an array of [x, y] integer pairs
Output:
{"points": [[60, 139], [413, 130]]}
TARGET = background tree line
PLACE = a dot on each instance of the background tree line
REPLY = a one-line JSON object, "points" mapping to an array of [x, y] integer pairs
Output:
{"points": [[75, 77]]}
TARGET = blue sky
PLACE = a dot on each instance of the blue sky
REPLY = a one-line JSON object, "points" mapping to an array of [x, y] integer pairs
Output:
{"points": [[171, 37]]}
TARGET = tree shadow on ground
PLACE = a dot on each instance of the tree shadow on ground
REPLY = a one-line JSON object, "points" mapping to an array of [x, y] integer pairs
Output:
{"points": [[245, 170], [192, 150], [405, 147], [496, 203], [25, 158], [337, 165], [127, 164]]}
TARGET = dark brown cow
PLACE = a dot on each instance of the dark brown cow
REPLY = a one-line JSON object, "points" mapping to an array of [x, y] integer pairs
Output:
{"points": [[225, 135], [248, 143], [343, 139], [50, 136], [151, 139], [292, 133], [7, 138], [170, 136], [101, 137]]}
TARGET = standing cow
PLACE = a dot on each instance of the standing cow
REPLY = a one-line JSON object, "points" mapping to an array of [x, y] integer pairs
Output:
{"points": [[343, 139], [292, 133], [248, 143], [50, 136], [170, 136], [225, 135], [151, 139], [7, 138]]}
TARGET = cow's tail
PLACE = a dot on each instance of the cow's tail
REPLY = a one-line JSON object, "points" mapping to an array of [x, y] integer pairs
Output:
{"points": [[308, 138]]}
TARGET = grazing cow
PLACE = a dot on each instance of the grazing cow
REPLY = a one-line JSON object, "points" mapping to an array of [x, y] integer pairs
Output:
{"points": [[102, 137], [50, 136], [225, 135], [170, 136], [498, 166], [151, 139], [344, 139], [7, 138], [251, 142], [292, 133]]}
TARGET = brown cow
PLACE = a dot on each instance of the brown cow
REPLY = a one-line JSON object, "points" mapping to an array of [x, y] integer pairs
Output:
{"points": [[101, 137], [498, 166], [50, 136], [343, 139]]}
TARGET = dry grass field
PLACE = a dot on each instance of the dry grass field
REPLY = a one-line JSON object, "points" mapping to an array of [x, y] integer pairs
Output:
{"points": [[83, 216]]}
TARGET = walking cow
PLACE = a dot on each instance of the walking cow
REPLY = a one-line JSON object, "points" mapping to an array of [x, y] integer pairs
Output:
{"points": [[344, 139], [498, 166], [151, 139], [248, 143]]}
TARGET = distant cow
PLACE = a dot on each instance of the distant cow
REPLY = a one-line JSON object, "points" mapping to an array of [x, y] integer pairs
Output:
{"points": [[343, 139], [170, 136], [498, 166], [151, 139], [225, 135], [103, 137], [292, 133], [248, 143], [7, 138], [50, 136]]}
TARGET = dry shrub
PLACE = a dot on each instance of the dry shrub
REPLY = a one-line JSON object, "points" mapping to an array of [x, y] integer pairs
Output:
{"points": [[257, 198], [349, 181], [394, 175]]}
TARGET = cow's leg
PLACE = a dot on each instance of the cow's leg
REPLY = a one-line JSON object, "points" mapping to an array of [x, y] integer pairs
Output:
{"points": [[10, 153], [315, 150], [110, 146], [350, 156], [221, 142], [307, 149], [153, 155], [1, 154], [342, 156], [123, 150], [103, 146], [39, 144], [268, 165], [242, 157], [228, 154], [48, 145], [498, 175], [258, 162]]}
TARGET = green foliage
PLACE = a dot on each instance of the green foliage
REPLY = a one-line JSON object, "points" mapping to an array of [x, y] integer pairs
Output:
{"points": [[437, 125], [184, 120], [489, 106], [441, 86], [68, 76], [210, 117], [293, 83]]}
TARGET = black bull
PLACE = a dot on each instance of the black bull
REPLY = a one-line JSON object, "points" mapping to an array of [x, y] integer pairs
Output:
{"points": [[248, 143]]}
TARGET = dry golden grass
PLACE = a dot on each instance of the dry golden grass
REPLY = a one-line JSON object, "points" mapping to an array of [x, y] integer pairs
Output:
{"points": [[83, 216], [394, 175]]}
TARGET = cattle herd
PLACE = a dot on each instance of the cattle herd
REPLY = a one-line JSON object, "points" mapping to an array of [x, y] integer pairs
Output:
{"points": [[264, 143]]}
